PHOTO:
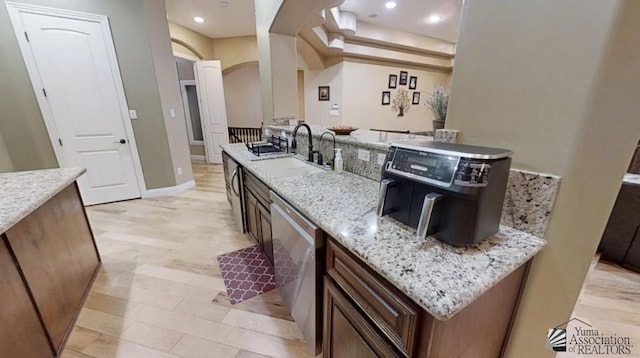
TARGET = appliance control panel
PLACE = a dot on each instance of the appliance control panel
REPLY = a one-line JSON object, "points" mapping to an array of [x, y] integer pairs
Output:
{"points": [[438, 168]]}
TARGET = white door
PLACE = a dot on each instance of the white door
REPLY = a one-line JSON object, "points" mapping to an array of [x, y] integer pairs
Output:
{"points": [[213, 112], [71, 62]]}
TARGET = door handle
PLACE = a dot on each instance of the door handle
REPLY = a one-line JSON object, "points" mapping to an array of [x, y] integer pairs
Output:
{"points": [[382, 195], [425, 216], [121, 141], [233, 177]]}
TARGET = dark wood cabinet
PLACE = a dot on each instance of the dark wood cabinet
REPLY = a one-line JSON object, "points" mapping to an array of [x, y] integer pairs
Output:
{"points": [[227, 175], [252, 215], [366, 316], [347, 333], [25, 336], [258, 213]]}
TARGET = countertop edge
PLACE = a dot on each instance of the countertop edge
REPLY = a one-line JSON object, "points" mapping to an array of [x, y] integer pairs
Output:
{"points": [[41, 200]]}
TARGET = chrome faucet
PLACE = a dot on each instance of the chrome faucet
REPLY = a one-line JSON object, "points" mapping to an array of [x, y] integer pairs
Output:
{"points": [[293, 142]]}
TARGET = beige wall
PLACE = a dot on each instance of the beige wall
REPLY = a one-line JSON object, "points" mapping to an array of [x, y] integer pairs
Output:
{"points": [[200, 44], [178, 48], [561, 99], [357, 88], [169, 88], [242, 96], [233, 51], [6, 165], [22, 125]]}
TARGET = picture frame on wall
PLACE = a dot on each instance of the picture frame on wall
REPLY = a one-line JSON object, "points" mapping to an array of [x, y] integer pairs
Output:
{"points": [[413, 82], [393, 81], [403, 78], [386, 98], [416, 98], [323, 93]]}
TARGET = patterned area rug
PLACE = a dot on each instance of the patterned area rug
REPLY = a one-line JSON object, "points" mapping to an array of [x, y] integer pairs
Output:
{"points": [[246, 274]]}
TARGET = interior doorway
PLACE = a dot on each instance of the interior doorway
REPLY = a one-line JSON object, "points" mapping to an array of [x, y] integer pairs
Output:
{"points": [[186, 76], [70, 57]]}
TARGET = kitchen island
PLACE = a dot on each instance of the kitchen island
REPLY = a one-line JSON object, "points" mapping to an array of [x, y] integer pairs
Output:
{"points": [[452, 301], [48, 260]]}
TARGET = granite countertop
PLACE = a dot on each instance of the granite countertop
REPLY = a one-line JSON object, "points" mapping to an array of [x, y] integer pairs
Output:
{"points": [[23, 192], [362, 137], [632, 178], [440, 278]]}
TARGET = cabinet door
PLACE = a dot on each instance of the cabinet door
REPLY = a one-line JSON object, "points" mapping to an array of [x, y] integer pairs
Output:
{"points": [[21, 334], [265, 231], [252, 216], [347, 333], [54, 248]]}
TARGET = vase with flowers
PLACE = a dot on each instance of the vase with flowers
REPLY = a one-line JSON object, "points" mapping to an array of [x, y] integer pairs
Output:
{"points": [[438, 103]]}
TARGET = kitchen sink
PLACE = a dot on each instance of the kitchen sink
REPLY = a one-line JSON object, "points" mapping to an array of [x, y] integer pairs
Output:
{"points": [[286, 167]]}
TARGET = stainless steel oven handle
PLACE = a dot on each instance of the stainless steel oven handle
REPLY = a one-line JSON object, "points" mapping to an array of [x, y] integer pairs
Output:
{"points": [[382, 195], [233, 187], [425, 216]]}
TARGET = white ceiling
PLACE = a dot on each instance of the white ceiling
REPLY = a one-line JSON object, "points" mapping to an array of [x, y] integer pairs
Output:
{"points": [[411, 16], [236, 19]]}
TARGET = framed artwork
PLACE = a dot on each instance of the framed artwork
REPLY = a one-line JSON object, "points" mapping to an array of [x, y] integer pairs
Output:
{"points": [[403, 78], [416, 98], [393, 81], [413, 82], [323, 93], [386, 98]]}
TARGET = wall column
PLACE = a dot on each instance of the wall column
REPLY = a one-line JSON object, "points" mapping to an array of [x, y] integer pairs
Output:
{"points": [[559, 89]]}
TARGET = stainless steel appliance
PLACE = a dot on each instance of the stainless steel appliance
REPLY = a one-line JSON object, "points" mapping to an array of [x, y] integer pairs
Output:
{"points": [[235, 178], [452, 191], [298, 263]]}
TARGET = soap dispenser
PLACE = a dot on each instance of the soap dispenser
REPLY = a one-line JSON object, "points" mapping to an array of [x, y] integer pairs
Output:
{"points": [[338, 164]]}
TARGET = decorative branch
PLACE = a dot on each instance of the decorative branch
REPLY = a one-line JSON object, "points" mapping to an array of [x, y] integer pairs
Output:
{"points": [[401, 102]]}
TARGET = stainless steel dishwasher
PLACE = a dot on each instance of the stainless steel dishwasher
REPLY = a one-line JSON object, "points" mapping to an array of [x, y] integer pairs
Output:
{"points": [[299, 264]]}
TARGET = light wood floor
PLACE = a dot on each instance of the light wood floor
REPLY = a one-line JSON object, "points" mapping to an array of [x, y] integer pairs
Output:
{"points": [[160, 292], [610, 301]]}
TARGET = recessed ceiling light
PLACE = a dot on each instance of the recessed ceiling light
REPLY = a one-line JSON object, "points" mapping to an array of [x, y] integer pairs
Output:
{"points": [[435, 19], [371, 16], [198, 19], [224, 3], [390, 4]]}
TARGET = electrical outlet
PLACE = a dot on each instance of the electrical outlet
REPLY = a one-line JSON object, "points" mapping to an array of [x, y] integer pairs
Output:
{"points": [[133, 114], [381, 158], [363, 155], [172, 113], [334, 113], [179, 170]]}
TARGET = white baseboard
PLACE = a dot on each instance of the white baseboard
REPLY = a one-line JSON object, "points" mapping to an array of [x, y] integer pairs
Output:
{"points": [[200, 158], [169, 190]]}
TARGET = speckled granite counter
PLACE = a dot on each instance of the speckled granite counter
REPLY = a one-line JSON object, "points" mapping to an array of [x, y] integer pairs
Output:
{"points": [[362, 137], [23, 192], [632, 178], [441, 278]]}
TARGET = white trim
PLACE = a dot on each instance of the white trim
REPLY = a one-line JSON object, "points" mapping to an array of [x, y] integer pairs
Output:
{"points": [[186, 56], [187, 111], [14, 9], [198, 157], [169, 190]]}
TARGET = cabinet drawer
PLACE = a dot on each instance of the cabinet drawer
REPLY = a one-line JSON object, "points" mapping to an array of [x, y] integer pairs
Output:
{"points": [[260, 189], [393, 313], [346, 332]]}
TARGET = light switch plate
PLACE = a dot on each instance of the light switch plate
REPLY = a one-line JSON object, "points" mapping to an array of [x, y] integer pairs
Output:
{"points": [[335, 106], [334, 113], [381, 158], [133, 114], [172, 113], [179, 170], [363, 155]]}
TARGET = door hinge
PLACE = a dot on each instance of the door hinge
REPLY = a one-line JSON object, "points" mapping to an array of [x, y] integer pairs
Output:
{"points": [[45, 92], [27, 36], [60, 141]]}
